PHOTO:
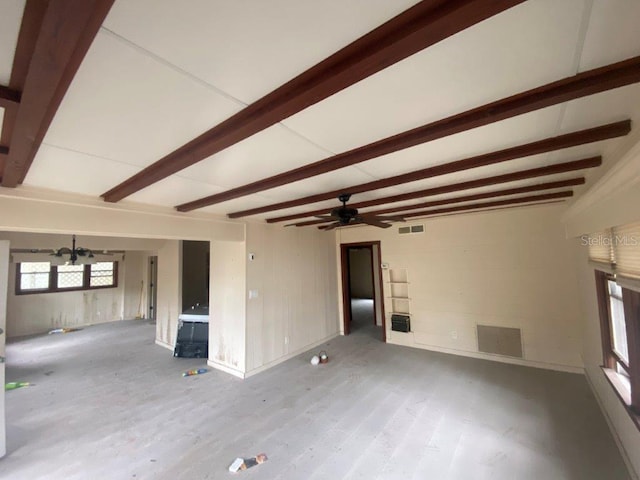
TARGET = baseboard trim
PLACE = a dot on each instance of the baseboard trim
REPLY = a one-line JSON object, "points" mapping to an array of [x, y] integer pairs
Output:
{"points": [[495, 358], [164, 344], [623, 451], [227, 369], [289, 356]]}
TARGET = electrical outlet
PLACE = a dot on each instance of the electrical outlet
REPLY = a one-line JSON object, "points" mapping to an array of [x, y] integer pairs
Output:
{"points": [[454, 334], [253, 294], [286, 340]]}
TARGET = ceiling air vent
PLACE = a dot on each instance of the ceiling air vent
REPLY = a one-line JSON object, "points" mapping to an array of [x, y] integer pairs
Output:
{"points": [[411, 229]]}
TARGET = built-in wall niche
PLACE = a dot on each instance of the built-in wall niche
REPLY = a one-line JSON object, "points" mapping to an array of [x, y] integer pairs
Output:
{"points": [[397, 290], [195, 274]]}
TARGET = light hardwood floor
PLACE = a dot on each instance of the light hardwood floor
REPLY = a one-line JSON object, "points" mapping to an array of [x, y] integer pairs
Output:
{"points": [[109, 404]]}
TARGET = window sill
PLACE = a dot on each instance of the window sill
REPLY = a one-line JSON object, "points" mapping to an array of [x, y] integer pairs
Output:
{"points": [[623, 393]]}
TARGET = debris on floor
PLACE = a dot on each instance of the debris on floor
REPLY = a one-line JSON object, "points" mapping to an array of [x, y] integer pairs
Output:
{"points": [[199, 371], [324, 358], [244, 463], [14, 385], [64, 330]]}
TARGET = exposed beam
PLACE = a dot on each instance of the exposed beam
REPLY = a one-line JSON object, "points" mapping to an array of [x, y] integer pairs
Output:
{"points": [[419, 27], [456, 187], [27, 36], [9, 98], [573, 139], [466, 198], [67, 30], [583, 84], [497, 203]]}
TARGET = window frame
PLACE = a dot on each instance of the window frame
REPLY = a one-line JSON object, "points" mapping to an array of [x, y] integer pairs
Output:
{"points": [[612, 347], [630, 397], [53, 281]]}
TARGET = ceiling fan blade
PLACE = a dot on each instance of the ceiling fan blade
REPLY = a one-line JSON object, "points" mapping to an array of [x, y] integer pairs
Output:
{"points": [[324, 217], [373, 221], [391, 219], [386, 218], [331, 226]]}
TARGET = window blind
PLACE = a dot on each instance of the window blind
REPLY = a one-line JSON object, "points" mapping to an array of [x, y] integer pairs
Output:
{"points": [[626, 245], [601, 247]]}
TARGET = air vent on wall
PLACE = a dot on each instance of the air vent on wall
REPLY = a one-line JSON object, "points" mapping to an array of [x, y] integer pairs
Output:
{"points": [[500, 340], [411, 229]]}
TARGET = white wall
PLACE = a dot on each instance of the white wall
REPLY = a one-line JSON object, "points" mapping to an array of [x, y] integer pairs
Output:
{"points": [[293, 274], [4, 264], [227, 307], [133, 274], [510, 268], [169, 293]]}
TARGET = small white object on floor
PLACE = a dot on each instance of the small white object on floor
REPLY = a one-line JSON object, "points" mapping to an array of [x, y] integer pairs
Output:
{"points": [[235, 466], [315, 360]]}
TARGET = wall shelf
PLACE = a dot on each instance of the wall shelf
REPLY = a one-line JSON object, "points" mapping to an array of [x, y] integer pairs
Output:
{"points": [[397, 291]]}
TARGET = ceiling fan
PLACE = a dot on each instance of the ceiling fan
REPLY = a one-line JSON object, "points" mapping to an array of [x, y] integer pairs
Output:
{"points": [[349, 216]]}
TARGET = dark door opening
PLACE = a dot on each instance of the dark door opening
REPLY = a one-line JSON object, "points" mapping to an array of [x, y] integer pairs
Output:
{"points": [[362, 289]]}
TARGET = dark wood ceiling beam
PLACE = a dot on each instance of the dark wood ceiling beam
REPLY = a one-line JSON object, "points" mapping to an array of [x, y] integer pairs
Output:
{"points": [[531, 173], [9, 98], [581, 85], [498, 203], [573, 139], [419, 27], [467, 198], [27, 37], [66, 32]]}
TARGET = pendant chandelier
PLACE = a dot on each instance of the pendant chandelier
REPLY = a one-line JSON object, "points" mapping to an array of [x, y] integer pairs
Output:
{"points": [[72, 256]]}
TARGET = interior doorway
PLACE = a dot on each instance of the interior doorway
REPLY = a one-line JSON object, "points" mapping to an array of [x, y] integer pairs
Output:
{"points": [[362, 298]]}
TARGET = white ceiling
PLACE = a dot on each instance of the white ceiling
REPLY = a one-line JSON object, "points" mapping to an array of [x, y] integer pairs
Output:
{"points": [[161, 72]]}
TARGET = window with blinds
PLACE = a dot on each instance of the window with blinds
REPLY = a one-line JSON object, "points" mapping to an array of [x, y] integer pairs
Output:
{"points": [[626, 244], [618, 248], [618, 293]]}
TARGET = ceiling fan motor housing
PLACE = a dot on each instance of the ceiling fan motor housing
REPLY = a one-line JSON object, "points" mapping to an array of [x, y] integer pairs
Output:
{"points": [[344, 214]]}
